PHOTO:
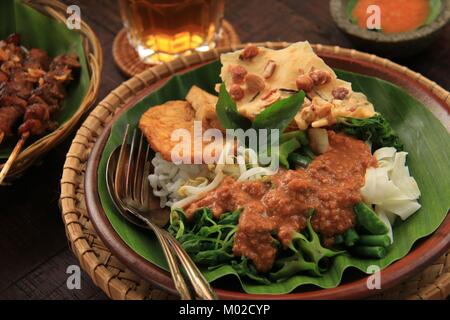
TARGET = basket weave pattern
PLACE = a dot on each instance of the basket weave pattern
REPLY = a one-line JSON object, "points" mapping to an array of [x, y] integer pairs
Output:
{"points": [[93, 52], [110, 274]]}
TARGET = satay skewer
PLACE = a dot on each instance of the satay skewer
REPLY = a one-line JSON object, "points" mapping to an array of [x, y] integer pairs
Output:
{"points": [[13, 156]]}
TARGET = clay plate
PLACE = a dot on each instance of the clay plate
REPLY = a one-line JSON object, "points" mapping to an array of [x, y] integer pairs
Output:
{"points": [[354, 285]]}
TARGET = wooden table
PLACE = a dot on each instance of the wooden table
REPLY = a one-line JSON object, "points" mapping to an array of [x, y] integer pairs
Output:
{"points": [[33, 246]]}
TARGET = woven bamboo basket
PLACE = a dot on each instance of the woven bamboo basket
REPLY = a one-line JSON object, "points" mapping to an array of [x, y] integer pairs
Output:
{"points": [[107, 271], [93, 51]]}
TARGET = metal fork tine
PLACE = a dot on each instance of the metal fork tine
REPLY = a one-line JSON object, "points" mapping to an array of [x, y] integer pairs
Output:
{"points": [[139, 168], [147, 153], [131, 167], [118, 175], [145, 184]]}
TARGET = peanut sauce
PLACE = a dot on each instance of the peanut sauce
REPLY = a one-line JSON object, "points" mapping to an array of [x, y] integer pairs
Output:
{"points": [[276, 206]]}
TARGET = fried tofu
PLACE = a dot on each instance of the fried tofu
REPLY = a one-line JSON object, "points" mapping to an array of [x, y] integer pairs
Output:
{"points": [[160, 122], [204, 105]]}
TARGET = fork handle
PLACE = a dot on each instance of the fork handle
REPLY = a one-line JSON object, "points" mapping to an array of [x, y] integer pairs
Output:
{"points": [[201, 285], [177, 276]]}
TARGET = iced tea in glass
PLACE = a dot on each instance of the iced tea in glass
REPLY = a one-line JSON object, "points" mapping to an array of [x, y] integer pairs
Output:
{"points": [[162, 29]]}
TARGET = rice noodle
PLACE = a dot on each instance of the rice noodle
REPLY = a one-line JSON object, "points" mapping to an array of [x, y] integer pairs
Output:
{"points": [[256, 171], [179, 185], [197, 193], [167, 178]]}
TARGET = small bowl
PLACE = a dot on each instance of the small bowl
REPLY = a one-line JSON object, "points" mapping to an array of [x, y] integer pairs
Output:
{"points": [[389, 45]]}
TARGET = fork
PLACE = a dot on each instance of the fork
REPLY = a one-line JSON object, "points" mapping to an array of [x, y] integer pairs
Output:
{"points": [[132, 190]]}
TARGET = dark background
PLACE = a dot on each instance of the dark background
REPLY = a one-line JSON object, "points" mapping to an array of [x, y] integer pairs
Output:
{"points": [[33, 248]]}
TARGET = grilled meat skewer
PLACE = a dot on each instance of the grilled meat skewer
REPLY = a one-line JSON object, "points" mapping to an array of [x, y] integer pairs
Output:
{"points": [[11, 111], [29, 80], [9, 116], [31, 91], [50, 93]]}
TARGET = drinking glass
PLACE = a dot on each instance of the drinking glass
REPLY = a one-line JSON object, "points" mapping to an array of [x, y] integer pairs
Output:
{"points": [[160, 30]]}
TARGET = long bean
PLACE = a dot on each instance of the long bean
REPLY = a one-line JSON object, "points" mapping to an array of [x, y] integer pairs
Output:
{"points": [[350, 237], [299, 135], [367, 218], [369, 252], [299, 160], [338, 239], [382, 240], [307, 152]]}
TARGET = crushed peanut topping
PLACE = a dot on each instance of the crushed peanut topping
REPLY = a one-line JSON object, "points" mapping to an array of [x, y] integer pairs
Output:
{"points": [[304, 82], [320, 77], [238, 73], [249, 52], [255, 83], [269, 69], [236, 92], [340, 93]]}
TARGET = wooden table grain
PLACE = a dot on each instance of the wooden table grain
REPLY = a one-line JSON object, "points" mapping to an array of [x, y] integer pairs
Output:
{"points": [[34, 255]]}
